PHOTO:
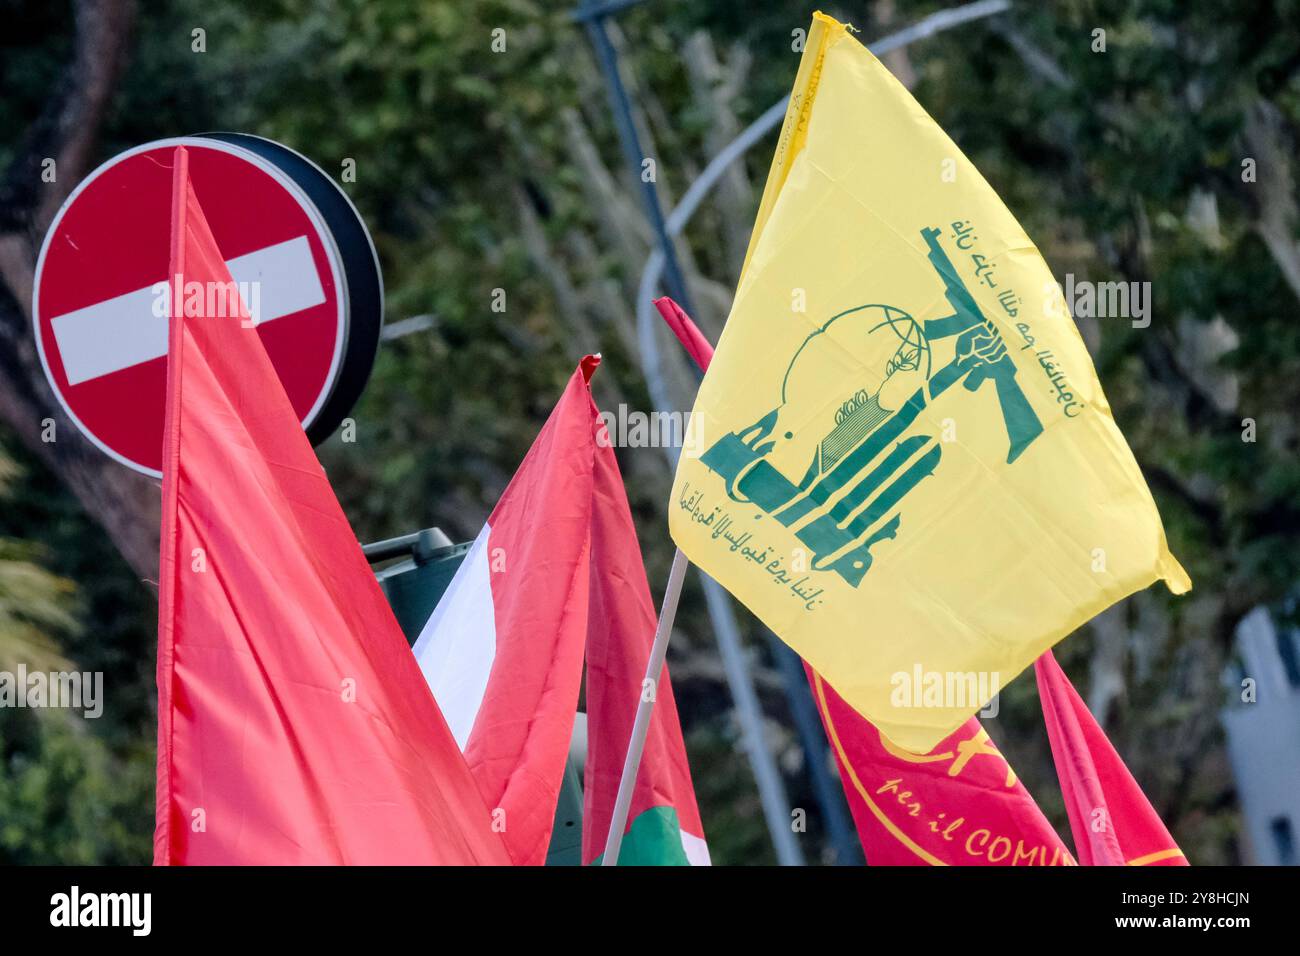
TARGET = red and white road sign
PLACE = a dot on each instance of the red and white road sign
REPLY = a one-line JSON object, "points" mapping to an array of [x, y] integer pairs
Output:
{"points": [[103, 346]]}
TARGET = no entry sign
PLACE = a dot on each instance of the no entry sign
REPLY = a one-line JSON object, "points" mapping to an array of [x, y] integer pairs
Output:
{"points": [[286, 231]]}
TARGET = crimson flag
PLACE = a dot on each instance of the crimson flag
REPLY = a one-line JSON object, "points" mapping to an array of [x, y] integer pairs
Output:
{"points": [[1114, 823], [294, 726]]}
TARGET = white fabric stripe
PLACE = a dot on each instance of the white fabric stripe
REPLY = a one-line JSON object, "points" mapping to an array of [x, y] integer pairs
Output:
{"points": [[458, 643], [697, 851]]}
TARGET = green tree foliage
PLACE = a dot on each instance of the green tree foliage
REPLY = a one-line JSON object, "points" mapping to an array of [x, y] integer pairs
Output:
{"points": [[69, 793], [33, 602]]}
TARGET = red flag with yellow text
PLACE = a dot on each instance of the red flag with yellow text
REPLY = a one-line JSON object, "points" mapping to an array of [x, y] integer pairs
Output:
{"points": [[959, 805]]}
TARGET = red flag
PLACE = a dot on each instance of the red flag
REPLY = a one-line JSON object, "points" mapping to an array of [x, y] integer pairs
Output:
{"points": [[557, 567], [664, 825], [687, 332], [502, 651], [960, 804], [1113, 822], [294, 726]]}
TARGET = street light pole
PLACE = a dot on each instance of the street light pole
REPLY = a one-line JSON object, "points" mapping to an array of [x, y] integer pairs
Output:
{"points": [[593, 15]]}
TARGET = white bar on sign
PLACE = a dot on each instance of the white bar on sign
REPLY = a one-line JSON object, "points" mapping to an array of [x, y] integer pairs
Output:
{"points": [[110, 335], [123, 331], [286, 274]]}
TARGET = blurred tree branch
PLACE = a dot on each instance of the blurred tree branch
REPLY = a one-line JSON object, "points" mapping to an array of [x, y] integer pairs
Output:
{"points": [[1276, 212], [66, 131]]}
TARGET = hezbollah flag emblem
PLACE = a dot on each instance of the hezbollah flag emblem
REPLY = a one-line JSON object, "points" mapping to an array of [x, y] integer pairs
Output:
{"points": [[907, 468]]}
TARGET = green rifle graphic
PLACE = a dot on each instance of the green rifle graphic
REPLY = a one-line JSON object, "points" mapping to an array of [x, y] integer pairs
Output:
{"points": [[865, 454], [981, 354]]}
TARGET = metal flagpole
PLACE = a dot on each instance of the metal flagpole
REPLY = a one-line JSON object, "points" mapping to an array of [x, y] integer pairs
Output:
{"points": [[641, 726]]}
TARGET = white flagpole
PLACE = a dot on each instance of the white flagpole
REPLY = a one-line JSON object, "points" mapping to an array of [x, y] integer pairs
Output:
{"points": [[641, 726]]}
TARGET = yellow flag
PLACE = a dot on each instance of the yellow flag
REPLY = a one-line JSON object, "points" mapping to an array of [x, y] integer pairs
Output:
{"points": [[905, 463]]}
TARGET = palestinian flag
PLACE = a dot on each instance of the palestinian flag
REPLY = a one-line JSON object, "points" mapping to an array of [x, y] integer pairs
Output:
{"points": [[556, 568], [502, 651], [664, 826]]}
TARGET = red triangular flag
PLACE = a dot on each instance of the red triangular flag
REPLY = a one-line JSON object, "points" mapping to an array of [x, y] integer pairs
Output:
{"points": [[687, 332], [502, 651], [557, 566], [1113, 822], [663, 823], [294, 726]]}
